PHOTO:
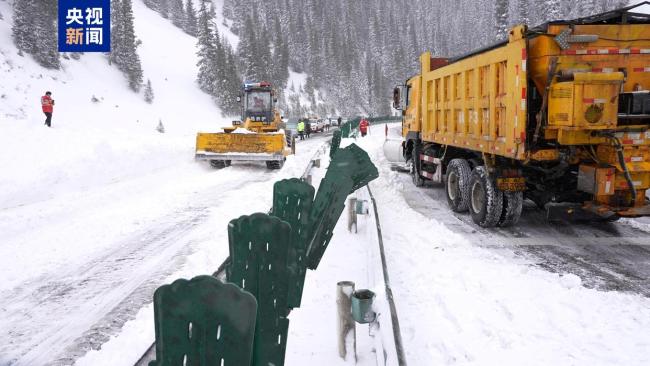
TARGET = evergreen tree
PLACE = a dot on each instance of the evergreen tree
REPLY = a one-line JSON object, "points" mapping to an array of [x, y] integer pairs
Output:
{"points": [[310, 89], [276, 52], [587, 7], [177, 13], [501, 19], [163, 8], [218, 68], [46, 52], [551, 9], [213, 11], [207, 53], [228, 7], [124, 48], [229, 104], [151, 4], [22, 32], [34, 31], [522, 7], [160, 128], [263, 55], [116, 32], [191, 26], [249, 52], [148, 92]]}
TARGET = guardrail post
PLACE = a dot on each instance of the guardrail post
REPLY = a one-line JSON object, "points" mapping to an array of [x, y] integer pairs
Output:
{"points": [[352, 214], [347, 333]]}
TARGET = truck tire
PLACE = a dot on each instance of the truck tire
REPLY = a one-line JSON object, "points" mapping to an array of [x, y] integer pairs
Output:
{"points": [[418, 181], [274, 164], [219, 164], [513, 203], [486, 201], [457, 184]]}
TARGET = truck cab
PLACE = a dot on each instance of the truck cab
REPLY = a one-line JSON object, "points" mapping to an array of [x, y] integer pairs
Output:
{"points": [[258, 100], [258, 111]]}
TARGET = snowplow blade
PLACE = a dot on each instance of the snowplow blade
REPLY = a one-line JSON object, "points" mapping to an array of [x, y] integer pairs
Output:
{"points": [[241, 146]]}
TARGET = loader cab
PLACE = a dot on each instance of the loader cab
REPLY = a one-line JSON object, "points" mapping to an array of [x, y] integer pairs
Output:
{"points": [[258, 102]]}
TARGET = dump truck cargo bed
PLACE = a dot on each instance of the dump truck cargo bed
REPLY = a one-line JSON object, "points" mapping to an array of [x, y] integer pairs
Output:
{"points": [[557, 114]]}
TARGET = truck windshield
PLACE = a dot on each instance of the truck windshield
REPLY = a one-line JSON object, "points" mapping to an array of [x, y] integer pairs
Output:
{"points": [[258, 101]]}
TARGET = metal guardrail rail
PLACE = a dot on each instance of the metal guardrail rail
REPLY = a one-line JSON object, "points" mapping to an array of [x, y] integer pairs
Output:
{"points": [[397, 334]]}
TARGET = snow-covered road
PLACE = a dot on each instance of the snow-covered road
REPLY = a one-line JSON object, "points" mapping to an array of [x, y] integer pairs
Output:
{"points": [[606, 256], [536, 294], [78, 266]]}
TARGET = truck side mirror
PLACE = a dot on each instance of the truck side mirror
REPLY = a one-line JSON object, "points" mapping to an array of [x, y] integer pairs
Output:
{"points": [[396, 98]]}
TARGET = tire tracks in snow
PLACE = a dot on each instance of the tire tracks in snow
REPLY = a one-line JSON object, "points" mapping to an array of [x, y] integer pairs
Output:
{"points": [[58, 317], [606, 256]]}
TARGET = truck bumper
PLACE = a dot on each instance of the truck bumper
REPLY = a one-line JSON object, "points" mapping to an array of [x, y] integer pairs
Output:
{"points": [[206, 155]]}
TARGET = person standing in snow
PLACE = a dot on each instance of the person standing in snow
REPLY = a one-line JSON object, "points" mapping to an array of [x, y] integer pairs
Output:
{"points": [[338, 121], [308, 128], [301, 129], [47, 103], [363, 127]]}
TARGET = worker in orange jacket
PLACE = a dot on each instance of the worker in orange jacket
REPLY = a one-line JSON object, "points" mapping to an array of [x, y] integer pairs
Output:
{"points": [[363, 127], [48, 107]]}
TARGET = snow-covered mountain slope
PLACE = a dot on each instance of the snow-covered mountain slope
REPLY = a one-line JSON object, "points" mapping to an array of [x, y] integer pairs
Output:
{"points": [[94, 142]]}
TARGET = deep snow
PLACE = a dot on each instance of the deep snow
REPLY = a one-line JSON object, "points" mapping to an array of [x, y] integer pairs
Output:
{"points": [[458, 301], [99, 210], [462, 303]]}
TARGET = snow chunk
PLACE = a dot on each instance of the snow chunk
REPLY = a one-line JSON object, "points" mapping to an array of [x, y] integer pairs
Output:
{"points": [[569, 280], [242, 131]]}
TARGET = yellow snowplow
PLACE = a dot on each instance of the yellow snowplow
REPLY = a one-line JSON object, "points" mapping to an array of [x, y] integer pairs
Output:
{"points": [[259, 136]]}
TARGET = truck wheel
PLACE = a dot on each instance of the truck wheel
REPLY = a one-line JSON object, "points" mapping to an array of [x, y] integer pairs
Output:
{"points": [[513, 202], [274, 164], [219, 164], [486, 201], [415, 167], [457, 184]]}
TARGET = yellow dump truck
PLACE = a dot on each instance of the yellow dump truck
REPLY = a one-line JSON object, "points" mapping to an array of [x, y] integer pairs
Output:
{"points": [[258, 136], [558, 114]]}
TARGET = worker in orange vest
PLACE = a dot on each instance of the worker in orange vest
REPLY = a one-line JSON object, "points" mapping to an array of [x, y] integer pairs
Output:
{"points": [[363, 127], [48, 107]]}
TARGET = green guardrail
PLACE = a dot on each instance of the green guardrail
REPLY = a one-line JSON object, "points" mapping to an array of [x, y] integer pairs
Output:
{"points": [[270, 255], [350, 128]]}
